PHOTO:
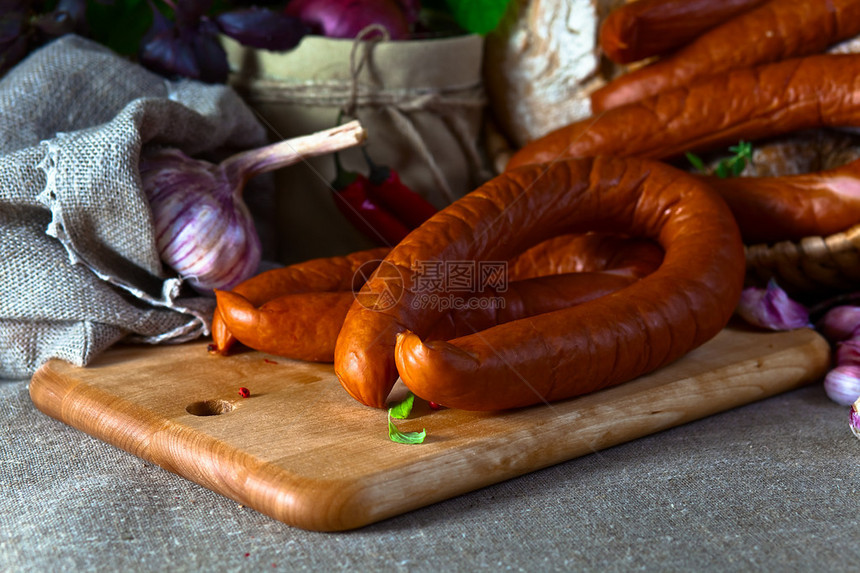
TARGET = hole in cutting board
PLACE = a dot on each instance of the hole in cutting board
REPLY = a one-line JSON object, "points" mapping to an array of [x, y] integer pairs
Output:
{"points": [[209, 407]]}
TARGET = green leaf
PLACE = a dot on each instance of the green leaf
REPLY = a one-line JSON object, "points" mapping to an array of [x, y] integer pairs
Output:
{"points": [[405, 437], [402, 409], [695, 161], [119, 25], [478, 16]]}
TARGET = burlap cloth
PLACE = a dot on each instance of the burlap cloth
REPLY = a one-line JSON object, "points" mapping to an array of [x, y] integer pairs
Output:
{"points": [[79, 264], [771, 487]]}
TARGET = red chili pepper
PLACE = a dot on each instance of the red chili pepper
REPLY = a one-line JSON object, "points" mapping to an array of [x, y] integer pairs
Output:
{"points": [[380, 206], [387, 190]]}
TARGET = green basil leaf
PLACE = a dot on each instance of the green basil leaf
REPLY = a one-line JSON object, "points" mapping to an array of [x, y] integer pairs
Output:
{"points": [[402, 409], [721, 170], [405, 437], [119, 25], [695, 161], [478, 16]]}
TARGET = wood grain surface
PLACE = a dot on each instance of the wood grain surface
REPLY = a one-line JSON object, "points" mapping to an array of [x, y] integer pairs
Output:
{"points": [[300, 450]]}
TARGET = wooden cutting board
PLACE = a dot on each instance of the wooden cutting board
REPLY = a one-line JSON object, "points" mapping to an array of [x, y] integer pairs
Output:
{"points": [[302, 451]]}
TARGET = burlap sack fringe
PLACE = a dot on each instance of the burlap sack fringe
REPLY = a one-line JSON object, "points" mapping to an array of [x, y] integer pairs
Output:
{"points": [[80, 266]]}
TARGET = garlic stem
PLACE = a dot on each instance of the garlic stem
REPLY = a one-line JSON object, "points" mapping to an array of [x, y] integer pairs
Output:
{"points": [[247, 164]]}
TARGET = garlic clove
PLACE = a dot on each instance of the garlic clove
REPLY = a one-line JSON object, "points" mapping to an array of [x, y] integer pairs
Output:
{"points": [[772, 308], [842, 384], [848, 353], [840, 323]]}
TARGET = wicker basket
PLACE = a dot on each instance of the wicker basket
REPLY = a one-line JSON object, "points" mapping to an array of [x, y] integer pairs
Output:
{"points": [[813, 266]]}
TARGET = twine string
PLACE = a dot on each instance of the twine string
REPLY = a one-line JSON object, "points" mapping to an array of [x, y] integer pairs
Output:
{"points": [[400, 105]]}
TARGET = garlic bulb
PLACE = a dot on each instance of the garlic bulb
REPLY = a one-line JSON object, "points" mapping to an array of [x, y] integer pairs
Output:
{"points": [[203, 227]]}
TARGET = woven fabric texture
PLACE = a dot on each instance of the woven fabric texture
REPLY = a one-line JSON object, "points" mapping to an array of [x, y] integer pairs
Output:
{"points": [[768, 487], [80, 267]]}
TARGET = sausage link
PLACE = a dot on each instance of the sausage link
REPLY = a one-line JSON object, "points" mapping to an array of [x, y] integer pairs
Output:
{"points": [[528, 297], [315, 275], [305, 326], [747, 104], [778, 30], [300, 326], [792, 207], [554, 355], [646, 28], [587, 252]]}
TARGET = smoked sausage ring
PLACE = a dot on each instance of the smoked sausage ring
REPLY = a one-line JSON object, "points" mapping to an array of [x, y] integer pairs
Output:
{"points": [[554, 355], [557, 273]]}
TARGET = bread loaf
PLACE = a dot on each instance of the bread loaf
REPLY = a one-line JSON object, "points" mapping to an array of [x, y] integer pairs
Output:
{"points": [[542, 63]]}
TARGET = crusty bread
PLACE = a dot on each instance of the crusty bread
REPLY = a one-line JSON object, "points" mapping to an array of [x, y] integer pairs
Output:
{"points": [[542, 63]]}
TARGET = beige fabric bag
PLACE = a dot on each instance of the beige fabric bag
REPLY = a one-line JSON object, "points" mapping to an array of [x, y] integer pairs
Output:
{"points": [[79, 265], [421, 102]]}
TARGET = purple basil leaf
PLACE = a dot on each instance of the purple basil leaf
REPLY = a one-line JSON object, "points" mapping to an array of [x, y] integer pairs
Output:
{"points": [[13, 41], [411, 9], [76, 10], [210, 55], [11, 27], [169, 55], [189, 12], [14, 7], [164, 51], [68, 16], [263, 28], [190, 50]]}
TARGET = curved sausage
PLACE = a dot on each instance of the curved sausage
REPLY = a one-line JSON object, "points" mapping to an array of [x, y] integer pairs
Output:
{"points": [[587, 252], [299, 326], [792, 207], [778, 30], [304, 326], [646, 28], [315, 275], [554, 355], [747, 104]]}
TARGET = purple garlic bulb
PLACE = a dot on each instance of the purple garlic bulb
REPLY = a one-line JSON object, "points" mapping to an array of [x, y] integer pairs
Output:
{"points": [[203, 228]]}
